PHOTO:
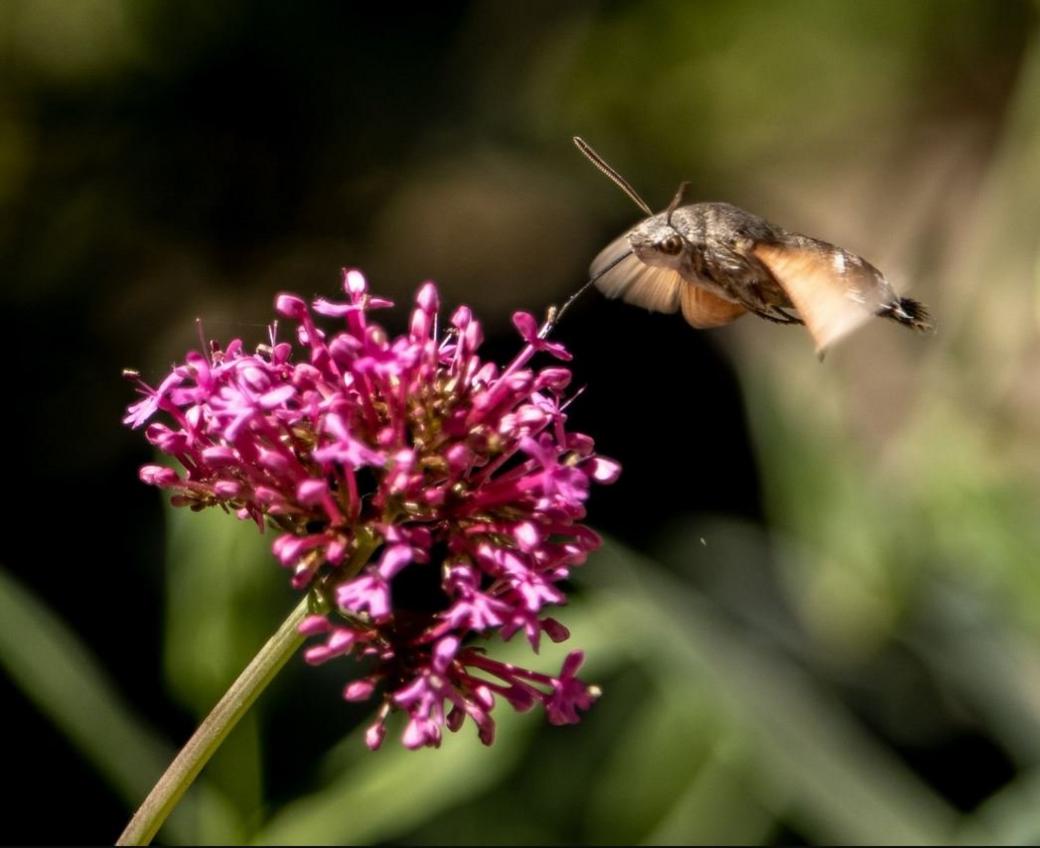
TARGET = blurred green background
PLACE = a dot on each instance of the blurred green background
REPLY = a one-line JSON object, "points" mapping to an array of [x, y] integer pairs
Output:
{"points": [[817, 614]]}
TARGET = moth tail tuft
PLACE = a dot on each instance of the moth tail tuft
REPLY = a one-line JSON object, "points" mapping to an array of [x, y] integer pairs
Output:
{"points": [[910, 312]]}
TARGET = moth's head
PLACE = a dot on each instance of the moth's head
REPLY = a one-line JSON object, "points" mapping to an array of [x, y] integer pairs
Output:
{"points": [[657, 242]]}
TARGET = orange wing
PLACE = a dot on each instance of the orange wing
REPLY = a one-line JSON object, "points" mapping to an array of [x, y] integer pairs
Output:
{"points": [[833, 290], [702, 309]]}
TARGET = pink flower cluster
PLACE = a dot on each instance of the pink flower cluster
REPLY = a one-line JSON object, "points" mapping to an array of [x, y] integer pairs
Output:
{"points": [[428, 497]]}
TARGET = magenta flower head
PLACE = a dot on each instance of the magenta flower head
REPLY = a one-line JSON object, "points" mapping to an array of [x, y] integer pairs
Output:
{"points": [[428, 498]]}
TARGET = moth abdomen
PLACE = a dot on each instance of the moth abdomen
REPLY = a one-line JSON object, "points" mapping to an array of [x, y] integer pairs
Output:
{"points": [[908, 312]]}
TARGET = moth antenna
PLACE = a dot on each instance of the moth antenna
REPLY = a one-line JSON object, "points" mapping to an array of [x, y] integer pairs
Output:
{"points": [[614, 176], [679, 192], [553, 318]]}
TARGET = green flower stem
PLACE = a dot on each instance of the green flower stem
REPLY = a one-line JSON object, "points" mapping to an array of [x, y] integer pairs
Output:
{"points": [[237, 700], [214, 729]]}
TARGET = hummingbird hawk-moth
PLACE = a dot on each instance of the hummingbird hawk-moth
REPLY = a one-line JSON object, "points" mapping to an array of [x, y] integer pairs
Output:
{"points": [[715, 262]]}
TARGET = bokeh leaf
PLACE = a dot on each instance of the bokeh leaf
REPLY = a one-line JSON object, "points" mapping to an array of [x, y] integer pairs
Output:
{"points": [[53, 668], [814, 757], [224, 590]]}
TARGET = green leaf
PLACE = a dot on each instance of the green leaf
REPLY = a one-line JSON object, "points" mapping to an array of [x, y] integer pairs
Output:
{"points": [[52, 667], [814, 760], [225, 596]]}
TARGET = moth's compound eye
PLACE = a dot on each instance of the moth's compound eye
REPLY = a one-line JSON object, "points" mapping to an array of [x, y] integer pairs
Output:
{"points": [[671, 245]]}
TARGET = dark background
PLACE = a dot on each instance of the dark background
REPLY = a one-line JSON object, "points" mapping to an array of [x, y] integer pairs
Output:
{"points": [[818, 615]]}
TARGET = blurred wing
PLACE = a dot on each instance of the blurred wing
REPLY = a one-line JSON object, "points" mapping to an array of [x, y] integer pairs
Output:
{"points": [[634, 281], [833, 290], [702, 309]]}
